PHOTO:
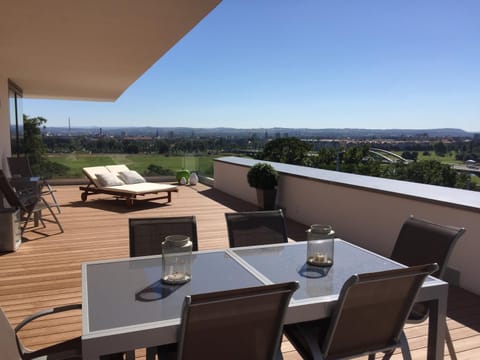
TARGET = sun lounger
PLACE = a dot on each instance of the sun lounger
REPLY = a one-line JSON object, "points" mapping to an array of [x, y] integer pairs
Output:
{"points": [[121, 182]]}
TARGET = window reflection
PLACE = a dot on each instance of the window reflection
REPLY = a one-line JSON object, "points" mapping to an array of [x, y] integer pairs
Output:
{"points": [[15, 95]]}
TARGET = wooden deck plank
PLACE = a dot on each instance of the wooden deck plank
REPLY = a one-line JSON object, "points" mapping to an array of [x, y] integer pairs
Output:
{"points": [[46, 270]]}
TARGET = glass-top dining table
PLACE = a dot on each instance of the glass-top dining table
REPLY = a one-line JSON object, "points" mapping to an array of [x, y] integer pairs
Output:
{"points": [[126, 306]]}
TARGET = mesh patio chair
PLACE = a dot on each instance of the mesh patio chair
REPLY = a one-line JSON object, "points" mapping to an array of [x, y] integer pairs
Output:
{"points": [[235, 324], [147, 234], [28, 199], [20, 166], [13, 349], [369, 317], [421, 242], [256, 228]]}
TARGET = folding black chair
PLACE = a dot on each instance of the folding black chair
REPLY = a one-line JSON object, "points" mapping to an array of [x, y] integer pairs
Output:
{"points": [[26, 197], [20, 166]]}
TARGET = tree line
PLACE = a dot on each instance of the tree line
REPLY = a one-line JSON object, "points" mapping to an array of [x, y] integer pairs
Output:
{"points": [[291, 150], [358, 160]]}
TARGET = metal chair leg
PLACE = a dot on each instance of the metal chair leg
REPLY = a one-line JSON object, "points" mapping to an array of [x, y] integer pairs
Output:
{"points": [[405, 348], [448, 340], [53, 214], [29, 215], [151, 352], [130, 355], [54, 198]]}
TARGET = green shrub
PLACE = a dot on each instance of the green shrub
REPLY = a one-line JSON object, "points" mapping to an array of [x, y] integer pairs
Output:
{"points": [[262, 176]]}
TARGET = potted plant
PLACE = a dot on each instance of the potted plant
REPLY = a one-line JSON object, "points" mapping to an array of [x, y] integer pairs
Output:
{"points": [[264, 178]]}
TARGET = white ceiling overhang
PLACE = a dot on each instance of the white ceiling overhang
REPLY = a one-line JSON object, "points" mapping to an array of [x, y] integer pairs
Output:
{"points": [[89, 49]]}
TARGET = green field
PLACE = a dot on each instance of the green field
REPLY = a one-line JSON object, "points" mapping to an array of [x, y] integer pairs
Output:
{"points": [[139, 162], [449, 158], [475, 180]]}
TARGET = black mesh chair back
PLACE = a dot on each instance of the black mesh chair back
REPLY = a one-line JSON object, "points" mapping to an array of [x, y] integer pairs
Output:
{"points": [[9, 193], [256, 228], [369, 316], [372, 311], [147, 234], [235, 324], [19, 166], [423, 242]]}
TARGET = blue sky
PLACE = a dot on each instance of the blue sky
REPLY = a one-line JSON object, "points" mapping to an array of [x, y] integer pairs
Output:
{"points": [[312, 63]]}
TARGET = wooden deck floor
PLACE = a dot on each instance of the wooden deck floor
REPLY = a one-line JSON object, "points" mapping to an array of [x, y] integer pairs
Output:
{"points": [[45, 271]]}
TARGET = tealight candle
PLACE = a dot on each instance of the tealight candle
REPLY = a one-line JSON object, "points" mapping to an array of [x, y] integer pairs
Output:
{"points": [[319, 258], [176, 278]]}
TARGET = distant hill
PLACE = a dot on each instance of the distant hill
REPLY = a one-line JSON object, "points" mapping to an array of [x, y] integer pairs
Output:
{"points": [[261, 132]]}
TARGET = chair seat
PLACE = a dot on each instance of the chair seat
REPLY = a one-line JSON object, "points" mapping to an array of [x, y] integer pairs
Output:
{"points": [[70, 349]]}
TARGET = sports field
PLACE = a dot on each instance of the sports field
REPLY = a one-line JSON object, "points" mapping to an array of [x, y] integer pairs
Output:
{"points": [[139, 162]]}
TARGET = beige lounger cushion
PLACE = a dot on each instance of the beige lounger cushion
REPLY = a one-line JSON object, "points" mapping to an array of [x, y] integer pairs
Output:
{"points": [[141, 188], [109, 179], [131, 177], [92, 171], [115, 169]]}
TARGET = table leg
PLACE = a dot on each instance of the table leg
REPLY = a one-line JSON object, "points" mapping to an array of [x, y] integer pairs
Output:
{"points": [[437, 325]]}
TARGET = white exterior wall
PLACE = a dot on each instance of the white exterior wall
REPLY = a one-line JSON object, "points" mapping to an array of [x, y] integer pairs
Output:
{"points": [[365, 217], [233, 180], [4, 122]]}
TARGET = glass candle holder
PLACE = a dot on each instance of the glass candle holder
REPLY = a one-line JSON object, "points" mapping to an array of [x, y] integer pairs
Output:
{"points": [[320, 247], [177, 259]]}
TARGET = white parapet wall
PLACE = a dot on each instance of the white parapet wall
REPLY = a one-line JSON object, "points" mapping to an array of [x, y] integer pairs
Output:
{"points": [[365, 210]]}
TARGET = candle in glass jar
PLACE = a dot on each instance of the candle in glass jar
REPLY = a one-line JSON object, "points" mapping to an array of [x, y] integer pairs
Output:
{"points": [[319, 258]]}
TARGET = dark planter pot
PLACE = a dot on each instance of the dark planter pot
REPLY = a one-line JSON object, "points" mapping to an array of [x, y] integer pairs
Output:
{"points": [[266, 198]]}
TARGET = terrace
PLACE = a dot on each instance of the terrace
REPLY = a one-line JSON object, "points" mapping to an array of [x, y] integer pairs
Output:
{"points": [[45, 271]]}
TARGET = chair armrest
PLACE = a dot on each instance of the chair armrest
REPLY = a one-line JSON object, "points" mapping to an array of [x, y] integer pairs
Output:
{"points": [[45, 313]]}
